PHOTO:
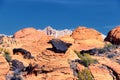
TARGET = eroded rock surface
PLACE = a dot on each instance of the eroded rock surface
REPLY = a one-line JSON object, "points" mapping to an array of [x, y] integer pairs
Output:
{"points": [[29, 34], [4, 67], [50, 65], [114, 36], [83, 33]]}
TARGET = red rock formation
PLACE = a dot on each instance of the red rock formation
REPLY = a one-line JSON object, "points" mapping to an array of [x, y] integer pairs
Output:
{"points": [[4, 67], [83, 33], [29, 34], [100, 73], [114, 36], [57, 65], [86, 38], [32, 39], [114, 66]]}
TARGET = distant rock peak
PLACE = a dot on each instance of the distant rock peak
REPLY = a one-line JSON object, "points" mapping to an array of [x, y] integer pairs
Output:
{"points": [[57, 33]]}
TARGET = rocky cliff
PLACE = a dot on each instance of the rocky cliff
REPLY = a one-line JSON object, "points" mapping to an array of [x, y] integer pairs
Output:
{"points": [[86, 57]]}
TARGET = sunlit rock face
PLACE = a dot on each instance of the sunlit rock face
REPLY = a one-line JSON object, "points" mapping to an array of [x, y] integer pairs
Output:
{"points": [[114, 36], [29, 34], [83, 33]]}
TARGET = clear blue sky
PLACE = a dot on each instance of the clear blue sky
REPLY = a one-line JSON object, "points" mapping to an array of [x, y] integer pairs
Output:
{"points": [[102, 15]]}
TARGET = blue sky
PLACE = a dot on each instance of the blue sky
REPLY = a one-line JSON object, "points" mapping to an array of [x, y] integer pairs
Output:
{"points": [[102, 15]]}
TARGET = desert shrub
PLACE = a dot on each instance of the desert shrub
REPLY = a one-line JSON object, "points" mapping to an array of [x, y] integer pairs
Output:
{"points": [[113, 46], [1, 49], [7, 55], [85, 75], [86, 59], [107, 45]]}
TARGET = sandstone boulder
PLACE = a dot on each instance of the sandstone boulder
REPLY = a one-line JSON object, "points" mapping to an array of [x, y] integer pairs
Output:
{"points": [[86, 38], [114, 36], [83, 33], [29, 34]]}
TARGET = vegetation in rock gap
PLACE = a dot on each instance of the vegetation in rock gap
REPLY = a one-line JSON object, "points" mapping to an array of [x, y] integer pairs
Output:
{"points": [[7, 55], [85, 75], [86, 59]]}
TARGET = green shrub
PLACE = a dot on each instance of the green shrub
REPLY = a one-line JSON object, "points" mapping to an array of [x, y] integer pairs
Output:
{"points": [[1, 49], [86, 59], [7, 55], [85, 75], [108, 45]]}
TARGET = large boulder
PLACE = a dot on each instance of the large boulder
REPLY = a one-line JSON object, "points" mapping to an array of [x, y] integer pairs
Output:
{"points": [[83, 33], [114, 36], [32, 40], [59, 46], [29, 34], [86, 38]]}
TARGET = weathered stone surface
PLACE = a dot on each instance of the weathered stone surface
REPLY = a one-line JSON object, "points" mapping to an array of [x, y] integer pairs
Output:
{"points": [[87, 44], [54, 65], [4, 67], [29, 34], [32, 40], [70, 54], [114, 36], [67, 38], [114, 66], [86, 38], [83, 33], [100, 73]]}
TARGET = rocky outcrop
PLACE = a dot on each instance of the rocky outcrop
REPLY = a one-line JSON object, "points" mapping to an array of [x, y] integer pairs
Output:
{"points": [[31, 39], [83, 33], [53, 66], [49, 65], [30, 34], [57, 33], [59, 45], [4, 67], [100, 72], [113, 36], [113, 66], [86, 38]]}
